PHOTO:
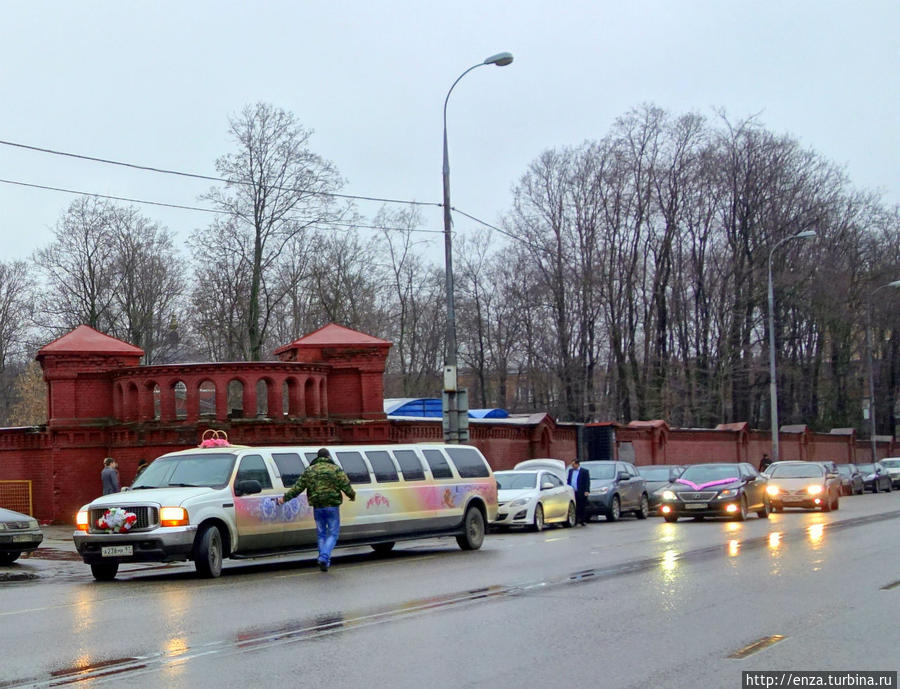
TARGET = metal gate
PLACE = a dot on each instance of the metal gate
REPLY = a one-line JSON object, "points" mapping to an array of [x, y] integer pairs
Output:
{"points": [[16, 495]]}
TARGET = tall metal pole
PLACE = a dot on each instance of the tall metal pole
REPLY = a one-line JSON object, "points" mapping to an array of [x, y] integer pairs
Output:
{"points": [[451, 397], [895, 283], [773, 384]]}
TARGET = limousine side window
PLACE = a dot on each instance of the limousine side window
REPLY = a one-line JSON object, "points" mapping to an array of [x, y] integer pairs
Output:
{"points": [[290, 466], [352, 463], [438, 464], [253, 468], [410, 465], [468, 462], [382, 465]]}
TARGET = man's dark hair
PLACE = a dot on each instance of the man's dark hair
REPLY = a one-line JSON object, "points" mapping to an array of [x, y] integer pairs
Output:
{"points": [[323, 452]]}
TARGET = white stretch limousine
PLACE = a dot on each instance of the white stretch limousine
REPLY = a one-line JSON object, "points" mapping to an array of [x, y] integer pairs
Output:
{"points": [[205, 504]]}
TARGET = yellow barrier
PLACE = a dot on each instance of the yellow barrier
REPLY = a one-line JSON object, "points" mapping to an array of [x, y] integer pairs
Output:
{"points": [[16, 495]]}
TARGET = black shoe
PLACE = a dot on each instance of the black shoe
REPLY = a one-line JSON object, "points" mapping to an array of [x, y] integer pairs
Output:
{"points": [[323, 565]]}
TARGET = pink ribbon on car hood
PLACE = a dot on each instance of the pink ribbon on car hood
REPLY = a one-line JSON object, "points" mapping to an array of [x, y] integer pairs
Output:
{"points": [[708, 484]]}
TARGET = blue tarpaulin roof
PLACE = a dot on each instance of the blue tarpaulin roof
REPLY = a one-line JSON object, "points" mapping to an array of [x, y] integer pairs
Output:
{"points": [[430, 407]]}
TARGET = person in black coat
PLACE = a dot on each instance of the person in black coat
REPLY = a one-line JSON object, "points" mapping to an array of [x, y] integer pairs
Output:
{"points": [[580, 480]]}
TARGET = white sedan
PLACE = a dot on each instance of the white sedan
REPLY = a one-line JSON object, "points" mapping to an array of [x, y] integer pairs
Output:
{"points": [[533, 499]]}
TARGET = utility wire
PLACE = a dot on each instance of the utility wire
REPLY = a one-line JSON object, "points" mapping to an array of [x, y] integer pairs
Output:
{"points": [[164, 171], [196, 208]]}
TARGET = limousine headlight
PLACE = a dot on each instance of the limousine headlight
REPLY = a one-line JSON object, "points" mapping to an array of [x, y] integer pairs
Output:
{"points": [[173, 516], [81, 520]]}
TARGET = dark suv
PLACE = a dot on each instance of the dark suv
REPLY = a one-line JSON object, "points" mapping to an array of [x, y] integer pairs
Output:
{"points": [[616, 487]]}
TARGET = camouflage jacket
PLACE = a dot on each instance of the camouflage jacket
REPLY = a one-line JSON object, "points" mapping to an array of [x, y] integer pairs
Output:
{"points": [[323, 482]]}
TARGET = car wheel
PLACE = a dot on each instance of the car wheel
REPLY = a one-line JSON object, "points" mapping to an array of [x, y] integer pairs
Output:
{"points": [[644, 510], [764, 512], [473, 530], [836, 505], [742, 512], [383, 548], [104, 571], [208, 553], [890, 486], [615, 510], [538, 523], [9, 558], [570, 517], [671, 518]]}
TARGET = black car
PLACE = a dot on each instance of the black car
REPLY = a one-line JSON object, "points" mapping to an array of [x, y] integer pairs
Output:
{"points": [[716, 490], [850, 473], [658, 478], [875, 477]]}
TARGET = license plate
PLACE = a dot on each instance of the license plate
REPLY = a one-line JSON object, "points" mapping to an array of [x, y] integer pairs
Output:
{"points": [[116, 550], [695, 506], [22, 537]]}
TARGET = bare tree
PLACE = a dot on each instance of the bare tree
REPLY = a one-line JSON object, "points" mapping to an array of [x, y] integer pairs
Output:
{"points": [[277, 188]]}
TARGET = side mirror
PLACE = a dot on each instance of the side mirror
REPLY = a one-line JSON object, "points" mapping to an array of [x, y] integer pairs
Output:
{"points": [[546, 485], [248, 487], [623, 476]]}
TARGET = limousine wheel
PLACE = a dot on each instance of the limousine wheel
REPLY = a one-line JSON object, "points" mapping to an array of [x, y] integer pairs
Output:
{"points": [[104, 571], [383, 548], [473, 536], [208, 553]]}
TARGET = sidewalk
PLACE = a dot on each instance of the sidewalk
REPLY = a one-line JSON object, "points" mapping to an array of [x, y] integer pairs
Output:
{"points": [[58, 537]]}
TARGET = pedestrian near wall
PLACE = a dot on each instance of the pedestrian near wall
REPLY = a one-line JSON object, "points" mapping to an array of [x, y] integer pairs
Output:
{"points": [[580, 480], [764, 462], [143, 464], [109, 477], [324, 482]]}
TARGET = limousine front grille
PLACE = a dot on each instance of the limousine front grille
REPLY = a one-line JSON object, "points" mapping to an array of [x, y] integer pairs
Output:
{"points": [[147, 517]]}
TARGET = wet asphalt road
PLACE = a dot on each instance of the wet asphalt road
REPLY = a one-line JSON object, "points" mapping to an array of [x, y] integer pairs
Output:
{"points": [[631, 604]]}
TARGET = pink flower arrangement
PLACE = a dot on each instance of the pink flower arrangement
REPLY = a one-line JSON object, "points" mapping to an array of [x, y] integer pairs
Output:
{"points": [[708, 484], [117, 520], [214, 438]]}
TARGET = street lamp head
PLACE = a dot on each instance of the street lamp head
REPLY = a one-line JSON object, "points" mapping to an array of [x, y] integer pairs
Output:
{"points": [[500, 59], [895, 283], [805, 234]]}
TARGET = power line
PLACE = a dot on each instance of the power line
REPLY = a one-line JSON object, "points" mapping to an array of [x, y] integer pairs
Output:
{"points": [[197, 208], [193, 175]]}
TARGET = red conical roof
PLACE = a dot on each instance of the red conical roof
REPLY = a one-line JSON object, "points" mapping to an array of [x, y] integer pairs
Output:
{"points": [[86, 340], [333, 335]]}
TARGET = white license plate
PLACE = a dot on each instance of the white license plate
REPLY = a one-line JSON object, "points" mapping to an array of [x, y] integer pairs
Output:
{"points": [[695, 506], [116, 550], [22, 537]]}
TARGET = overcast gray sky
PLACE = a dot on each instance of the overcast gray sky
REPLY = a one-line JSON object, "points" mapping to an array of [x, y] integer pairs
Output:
{"points": [[154, 83]]}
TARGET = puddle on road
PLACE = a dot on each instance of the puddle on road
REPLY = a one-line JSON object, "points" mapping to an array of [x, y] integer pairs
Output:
{"points": [[51, 554]]}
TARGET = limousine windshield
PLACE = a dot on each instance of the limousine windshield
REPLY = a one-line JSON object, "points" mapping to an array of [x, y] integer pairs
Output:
{"points": [[209, 470]]}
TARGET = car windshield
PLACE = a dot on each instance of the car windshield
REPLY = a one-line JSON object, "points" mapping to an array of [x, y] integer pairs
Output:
{"points": [[891, 463], [516, 481], [845, 469], [866, 468], [797, 471], [700, 473], [654, 473], [210, 470], [600, 471]]}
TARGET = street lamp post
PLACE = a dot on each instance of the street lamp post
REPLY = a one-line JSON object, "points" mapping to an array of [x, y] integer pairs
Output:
{"points": [[773, 385], [455, 403], [895, 283]]}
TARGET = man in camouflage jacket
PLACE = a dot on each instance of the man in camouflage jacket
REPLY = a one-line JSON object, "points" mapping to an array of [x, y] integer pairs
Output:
{"points": [[323, 482]]}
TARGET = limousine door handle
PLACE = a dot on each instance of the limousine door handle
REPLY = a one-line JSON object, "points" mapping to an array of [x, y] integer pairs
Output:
{"points": [[228, 504]]}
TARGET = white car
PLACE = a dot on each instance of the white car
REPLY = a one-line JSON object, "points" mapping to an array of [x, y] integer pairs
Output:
{"points": [[533, 499], [892, 466]]}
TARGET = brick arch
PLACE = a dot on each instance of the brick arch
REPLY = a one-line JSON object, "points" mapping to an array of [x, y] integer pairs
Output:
{"points": [[323, 397], [149, 401], [130, 401], [310, 397], [207, 398], [292, 397], [119, 400]]}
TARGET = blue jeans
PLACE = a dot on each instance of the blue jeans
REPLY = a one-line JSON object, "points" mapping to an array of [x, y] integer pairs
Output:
{"points": [[328, 526]]}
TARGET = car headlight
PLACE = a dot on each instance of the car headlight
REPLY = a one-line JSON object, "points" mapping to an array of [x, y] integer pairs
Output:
{"points": [[729, 493], [668, 495], [519, 502], [773, 490], [173, 516], [33, 524], [814, 490], [601, 491], [2, 526], [660, 491]]}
